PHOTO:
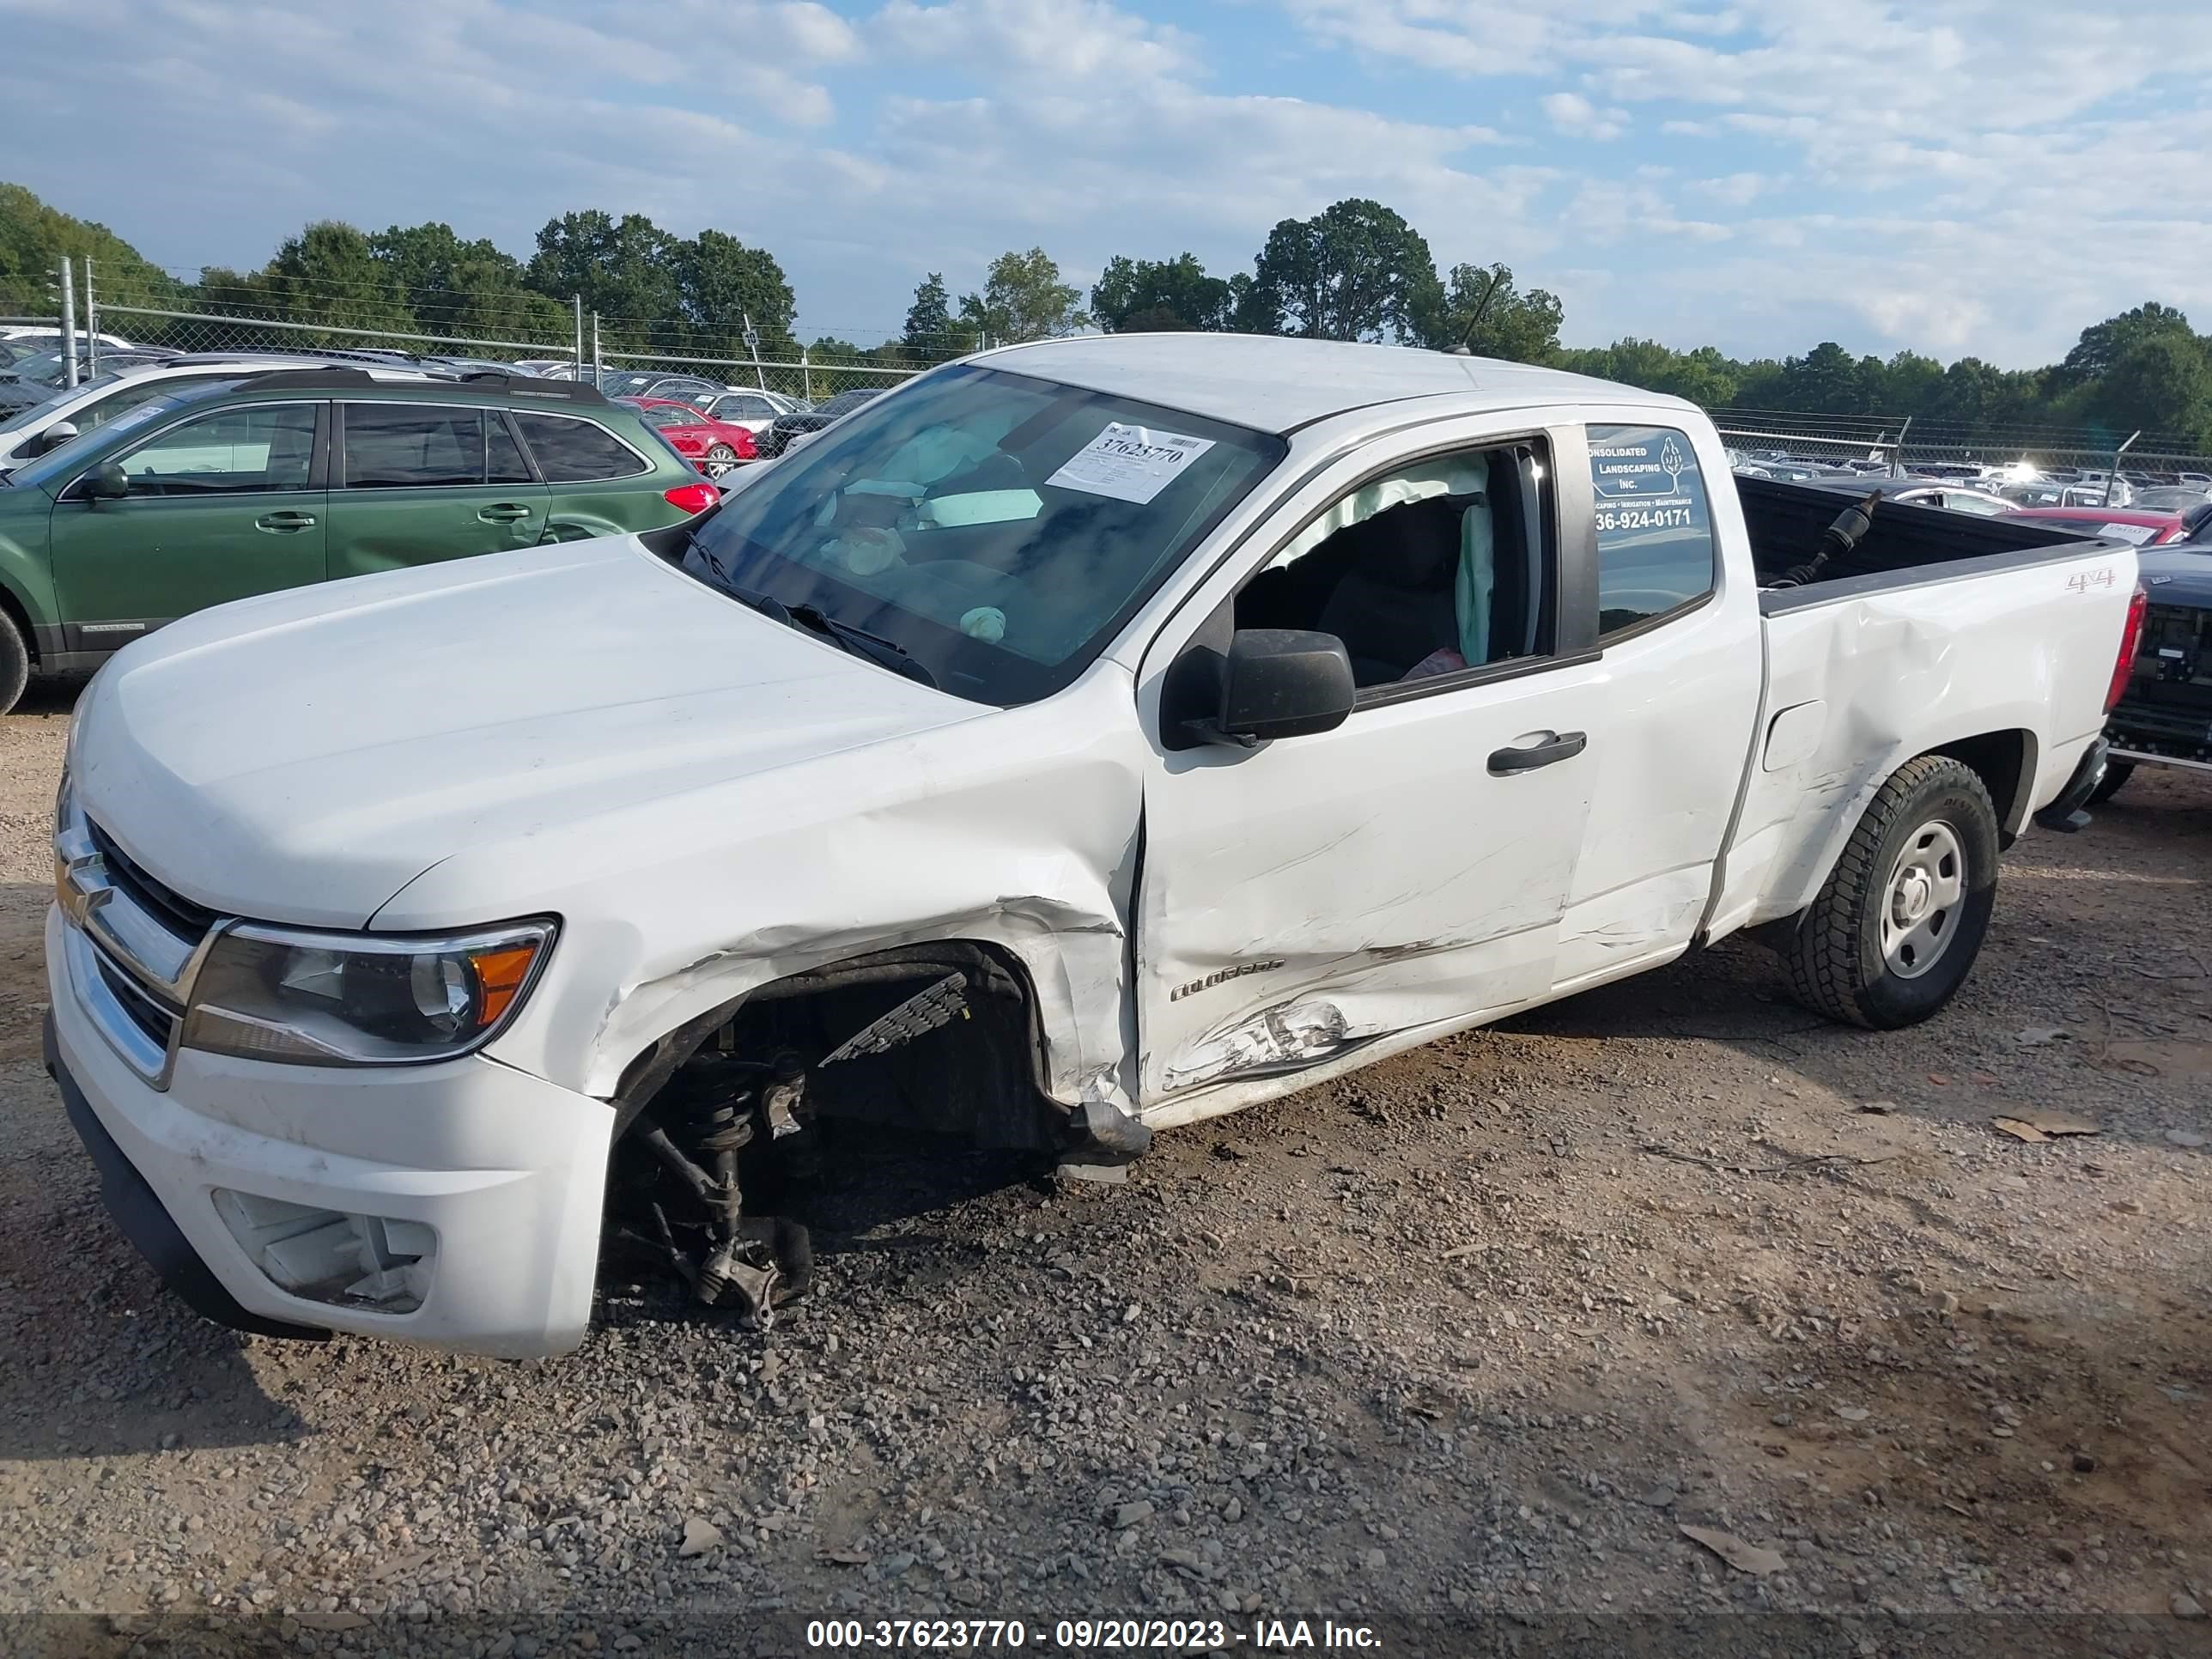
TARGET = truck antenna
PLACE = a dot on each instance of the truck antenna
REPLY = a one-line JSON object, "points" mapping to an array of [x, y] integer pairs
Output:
{"points": [[1467, 334]]}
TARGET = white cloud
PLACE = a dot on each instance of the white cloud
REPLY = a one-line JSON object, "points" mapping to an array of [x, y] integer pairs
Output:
{"points": [[1571, 113], [1735, 190]]}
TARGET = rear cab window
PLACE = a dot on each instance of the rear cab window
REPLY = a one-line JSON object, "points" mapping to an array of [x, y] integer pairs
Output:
{"points": [[1656, 557]]}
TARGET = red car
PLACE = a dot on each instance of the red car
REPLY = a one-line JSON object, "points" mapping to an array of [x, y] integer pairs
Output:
{"points": [[712, 446], [2138, 527]]}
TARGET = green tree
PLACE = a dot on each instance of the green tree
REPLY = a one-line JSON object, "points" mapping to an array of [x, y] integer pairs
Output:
{"points": [[34, 239], [1356, 270], [1824, 381], [1135, 296], [1252, 309], [928, 335], [464, 287], [330, 274], [2103, 344], [2161, 382], [721, 283], [626, 270], [1023, 299], [1478, 305]]}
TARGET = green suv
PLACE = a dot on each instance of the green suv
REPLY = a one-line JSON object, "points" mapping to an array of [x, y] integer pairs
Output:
{"points": [[222, 491]]}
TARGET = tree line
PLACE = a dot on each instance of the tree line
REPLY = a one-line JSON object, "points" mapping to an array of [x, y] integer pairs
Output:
{"points": [[1356, 270]]}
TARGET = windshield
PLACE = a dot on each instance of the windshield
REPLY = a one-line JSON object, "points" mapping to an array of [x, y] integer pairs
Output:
{"points": [[998, 529]]}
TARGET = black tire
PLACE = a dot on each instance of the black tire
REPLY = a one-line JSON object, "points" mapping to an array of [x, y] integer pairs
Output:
{"points": [[2116, 773], [15, 663], [1836, 959]]}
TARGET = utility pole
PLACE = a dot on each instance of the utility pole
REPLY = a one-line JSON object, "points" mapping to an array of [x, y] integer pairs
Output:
{"points": [[69, 324]]}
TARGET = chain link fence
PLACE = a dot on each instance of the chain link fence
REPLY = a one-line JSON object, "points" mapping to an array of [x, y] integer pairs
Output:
{"points": [[1912, 444], [804, 377]]}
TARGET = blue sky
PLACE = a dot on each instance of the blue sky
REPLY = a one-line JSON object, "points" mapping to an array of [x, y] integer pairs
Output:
{"points": [[1960, 176]]}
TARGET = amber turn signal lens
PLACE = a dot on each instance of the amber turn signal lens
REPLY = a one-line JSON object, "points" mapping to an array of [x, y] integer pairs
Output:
{"points": [[499, 977]]}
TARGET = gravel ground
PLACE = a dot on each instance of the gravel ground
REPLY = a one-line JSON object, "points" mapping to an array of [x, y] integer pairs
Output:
{"points": [[1464, 1345]]}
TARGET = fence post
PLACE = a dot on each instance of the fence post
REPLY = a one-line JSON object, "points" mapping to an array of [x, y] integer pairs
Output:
{"points": [[598, 364], [577, 300], [2113, 476], [752, 346], [1897, 450], [91, 323], [69, 324], [805, 376]]}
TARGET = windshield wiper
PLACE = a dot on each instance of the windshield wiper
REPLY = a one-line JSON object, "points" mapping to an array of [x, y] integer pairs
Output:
{"points": [[859, 642]]}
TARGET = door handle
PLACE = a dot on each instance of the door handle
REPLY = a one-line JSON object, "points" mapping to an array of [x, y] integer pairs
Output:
{"points": [[1504, 762], [504, 513], [281, 522]]}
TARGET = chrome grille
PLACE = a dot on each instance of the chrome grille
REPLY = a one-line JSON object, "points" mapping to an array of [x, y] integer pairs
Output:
{"points": [[185, 918], [133, 944], [149, 1013]]}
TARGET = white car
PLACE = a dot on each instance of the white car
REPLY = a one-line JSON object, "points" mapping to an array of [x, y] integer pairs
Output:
{"points": [[1099, 735], [52, 336], [755, 410], [70, 413]]}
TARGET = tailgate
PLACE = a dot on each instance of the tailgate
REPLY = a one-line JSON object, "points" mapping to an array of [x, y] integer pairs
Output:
{"points": [[2013, 653]]}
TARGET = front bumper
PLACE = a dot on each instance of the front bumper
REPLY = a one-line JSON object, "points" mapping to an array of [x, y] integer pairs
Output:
{"points": [[501, 1173]]}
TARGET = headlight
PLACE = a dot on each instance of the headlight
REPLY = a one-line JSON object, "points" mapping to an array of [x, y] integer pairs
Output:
{"points": [[356, 1000]]}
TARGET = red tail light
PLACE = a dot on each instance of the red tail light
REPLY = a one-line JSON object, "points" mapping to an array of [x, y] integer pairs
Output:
{"points": [[742, 441], [698, 497], [2130, 638]]}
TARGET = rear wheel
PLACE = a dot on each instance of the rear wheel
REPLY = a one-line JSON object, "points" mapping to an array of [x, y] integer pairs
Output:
{"points": [[15, 663], [718, 460], [1897, 924], [2116, 773]]}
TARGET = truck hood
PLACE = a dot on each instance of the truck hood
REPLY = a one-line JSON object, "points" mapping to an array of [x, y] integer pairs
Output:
{"points": [[302, 756]]}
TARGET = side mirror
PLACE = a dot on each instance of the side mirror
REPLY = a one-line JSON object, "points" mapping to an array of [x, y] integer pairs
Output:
{"points": [[55, 436], [106, 483], [1282, 682]]}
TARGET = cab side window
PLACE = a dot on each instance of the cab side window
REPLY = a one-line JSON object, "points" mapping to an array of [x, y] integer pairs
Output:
{"points": [[1437, 567], [1656, 554], [263, 447]]}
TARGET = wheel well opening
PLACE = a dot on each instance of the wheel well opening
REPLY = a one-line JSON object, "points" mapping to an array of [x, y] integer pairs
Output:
{"points": [[2002, 761], [973, 1075]]}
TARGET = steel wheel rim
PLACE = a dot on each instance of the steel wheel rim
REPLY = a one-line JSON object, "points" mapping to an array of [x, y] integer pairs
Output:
{"points": [[1922, 901], [719, 460]]}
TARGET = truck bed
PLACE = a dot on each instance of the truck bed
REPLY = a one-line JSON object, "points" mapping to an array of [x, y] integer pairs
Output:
{"points": [[1907, 544], [1990, 642]]}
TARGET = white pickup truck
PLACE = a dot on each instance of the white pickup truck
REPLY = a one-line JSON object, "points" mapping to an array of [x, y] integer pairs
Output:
{"points": [[1091, 736]]}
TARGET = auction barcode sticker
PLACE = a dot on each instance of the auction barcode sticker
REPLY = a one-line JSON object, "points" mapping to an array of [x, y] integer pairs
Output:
{"points": [[1129, 463]]}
